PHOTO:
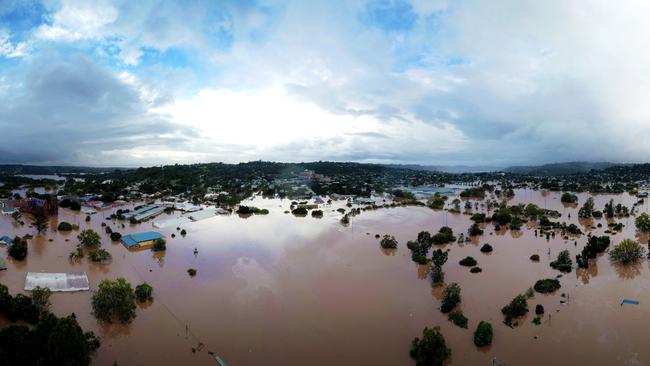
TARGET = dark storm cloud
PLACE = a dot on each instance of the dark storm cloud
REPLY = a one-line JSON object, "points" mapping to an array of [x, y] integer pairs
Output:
{"points": [[71, 107]]}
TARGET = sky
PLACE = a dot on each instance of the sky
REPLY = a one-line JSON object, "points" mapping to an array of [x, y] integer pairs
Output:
{"points": [[500, 82]]}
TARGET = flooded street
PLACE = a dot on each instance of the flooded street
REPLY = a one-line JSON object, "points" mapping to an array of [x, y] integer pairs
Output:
{"points": [[283, 290]]}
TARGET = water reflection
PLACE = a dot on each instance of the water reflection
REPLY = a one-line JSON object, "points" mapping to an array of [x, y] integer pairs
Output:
{"points": [[585, 274], [388, 251], [627, 271], [423, 270], [114, 329]]}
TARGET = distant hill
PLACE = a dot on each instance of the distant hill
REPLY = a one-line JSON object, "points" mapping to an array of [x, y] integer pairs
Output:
{"points": [[13, 169], [454, 169], [573, 167]]}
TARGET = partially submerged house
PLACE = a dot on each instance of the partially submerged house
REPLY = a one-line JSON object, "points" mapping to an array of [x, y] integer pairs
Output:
{"points": [[5, 240], [50, 205], [141, 240], [8, 211]]}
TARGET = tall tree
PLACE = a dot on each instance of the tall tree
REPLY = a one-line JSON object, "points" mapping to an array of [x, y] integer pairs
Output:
{"points": [[40, 222]]}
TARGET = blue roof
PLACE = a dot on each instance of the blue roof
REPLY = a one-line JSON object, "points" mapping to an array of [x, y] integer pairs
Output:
{"points": [[6, 239], [132, 240], [8, 209]]}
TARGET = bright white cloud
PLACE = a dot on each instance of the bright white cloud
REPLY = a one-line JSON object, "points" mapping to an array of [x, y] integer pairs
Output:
{"points": [[270, 122], [9, 49], [79, 19]]}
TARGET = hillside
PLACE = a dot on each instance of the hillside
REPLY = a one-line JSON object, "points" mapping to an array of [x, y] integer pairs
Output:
{"points": [[567, 168]]}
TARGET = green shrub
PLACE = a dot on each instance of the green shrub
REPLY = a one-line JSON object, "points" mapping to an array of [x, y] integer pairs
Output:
{"points": [[534, 257], [445, 235], [89, 238], [486, 248], [574, 229], [475, 230], [476, 270], [483, 334], [300, 211], [569, 198], [547, 285], [537, 320], [100, 255], [539, 309], [458, 318], [64, 226], [191, 272], [388, 242], [143, 292], [478, 217], [115, 236], [468, 262]]}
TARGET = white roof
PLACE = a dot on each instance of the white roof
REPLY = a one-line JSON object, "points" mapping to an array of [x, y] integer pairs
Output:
{"points": [[57, 282]]}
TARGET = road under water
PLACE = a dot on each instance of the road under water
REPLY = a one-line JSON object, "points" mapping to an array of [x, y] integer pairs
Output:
{"points": [[284, 290]]}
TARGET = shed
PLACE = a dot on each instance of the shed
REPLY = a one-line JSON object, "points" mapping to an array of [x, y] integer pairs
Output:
{"points": [[141, 240], [6, 240]]}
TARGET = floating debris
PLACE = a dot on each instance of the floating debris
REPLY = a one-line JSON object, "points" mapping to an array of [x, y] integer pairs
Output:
{"points": [[630, 302]]}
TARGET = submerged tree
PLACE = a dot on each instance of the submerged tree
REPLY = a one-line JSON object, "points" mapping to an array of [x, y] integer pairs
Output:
{"points": [[568, 197], [642, 222], [431, 350], [627, 251], [439, 258], [53, 341], [587, 209], [563, 262], [517, 307], [388, 242], [144, 292], [18, 249], [483, 334], [40, 221], [41, 298], [114, 300], [450, 298], [89, 238], [474, 230], [443, 236]]}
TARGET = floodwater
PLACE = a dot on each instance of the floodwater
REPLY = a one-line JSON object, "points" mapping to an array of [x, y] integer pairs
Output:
{"points": [[285, 290]]}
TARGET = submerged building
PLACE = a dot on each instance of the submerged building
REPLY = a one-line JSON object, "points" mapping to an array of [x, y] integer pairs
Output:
{"points": [[141, 240], [49, 205]]}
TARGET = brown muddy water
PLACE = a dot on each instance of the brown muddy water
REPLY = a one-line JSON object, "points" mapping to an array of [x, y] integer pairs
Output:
{"points": [[283, 290]]}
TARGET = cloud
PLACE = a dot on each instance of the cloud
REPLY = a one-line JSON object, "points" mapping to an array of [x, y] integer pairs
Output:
{"points": [[437, 82], [73, 110], [9, 49]]}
